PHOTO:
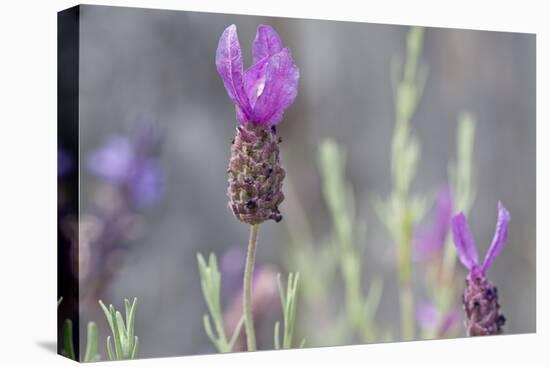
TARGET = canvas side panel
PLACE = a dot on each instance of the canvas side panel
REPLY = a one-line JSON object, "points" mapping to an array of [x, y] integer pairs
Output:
{"points": [[68, 169]]}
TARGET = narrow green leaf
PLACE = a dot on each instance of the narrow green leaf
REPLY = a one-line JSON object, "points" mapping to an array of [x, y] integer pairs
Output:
{"points": [[91, 343], [122, 333], [107, 315], [236, 334], [131, 321], [135, 349], [209, 331], [276, 336], [112, 356], [116, 334], [127, 308], [68, 339]]}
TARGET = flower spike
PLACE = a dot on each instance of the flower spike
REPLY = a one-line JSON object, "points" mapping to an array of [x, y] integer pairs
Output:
{"points": [[480, 298]]}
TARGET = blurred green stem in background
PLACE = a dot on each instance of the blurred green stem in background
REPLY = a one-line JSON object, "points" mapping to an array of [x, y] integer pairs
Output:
{"points": [[247, 288], [463, 192], [349, 233], [401, 212], [126, 343], [317, 260], [288, 305], [211, 288]]}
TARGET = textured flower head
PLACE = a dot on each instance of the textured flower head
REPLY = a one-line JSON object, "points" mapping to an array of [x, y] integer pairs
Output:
{"points": [[262, 92], [466, 247], [429, 242]]}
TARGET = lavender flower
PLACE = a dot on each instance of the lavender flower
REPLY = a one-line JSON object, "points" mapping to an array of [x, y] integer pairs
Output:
{"points": [[480, 297], [429, 242], [429, 317], [232, 269], [260, 94], [130, 178], [131, 165]]}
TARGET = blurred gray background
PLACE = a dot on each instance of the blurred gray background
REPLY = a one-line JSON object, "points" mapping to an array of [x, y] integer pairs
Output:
{"points": [[162, 64]]}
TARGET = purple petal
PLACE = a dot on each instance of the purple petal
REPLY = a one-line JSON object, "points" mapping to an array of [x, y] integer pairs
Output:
{"points": [[464, 242], [280, 89], [229, 63], [254, 81], [501, 233], [147, 185], [266, 43], [113, 160], [429, 242]]}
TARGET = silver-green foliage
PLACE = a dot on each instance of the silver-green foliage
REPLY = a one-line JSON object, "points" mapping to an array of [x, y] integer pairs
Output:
{"points": [[349, 234], [288, 304], [211, 285], [126, 344]]}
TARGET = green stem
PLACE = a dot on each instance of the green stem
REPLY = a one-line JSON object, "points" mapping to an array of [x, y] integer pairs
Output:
{"points": [[247, 287], [405, 275], [407, 312]]}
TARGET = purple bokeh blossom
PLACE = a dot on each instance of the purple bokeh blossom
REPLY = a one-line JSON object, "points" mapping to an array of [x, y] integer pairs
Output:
{"points": [[429, 317], [430, 241], [232, 270], [130, 163], [466, 247], [262, 92], [265, 292]]}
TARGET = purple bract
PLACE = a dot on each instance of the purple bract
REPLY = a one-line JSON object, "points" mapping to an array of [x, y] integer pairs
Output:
{"points": [[262, 92], [466, 247]]}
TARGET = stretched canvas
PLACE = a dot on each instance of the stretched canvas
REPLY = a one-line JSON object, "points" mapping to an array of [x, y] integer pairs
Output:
{"points": [[232, 183]]}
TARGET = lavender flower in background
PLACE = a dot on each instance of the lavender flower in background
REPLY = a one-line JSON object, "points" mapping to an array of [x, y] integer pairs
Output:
{"points": [[480, 297], [430, 242], [131, 165], [232, 268], [429, 318], [265, 295], [130, 179]]}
